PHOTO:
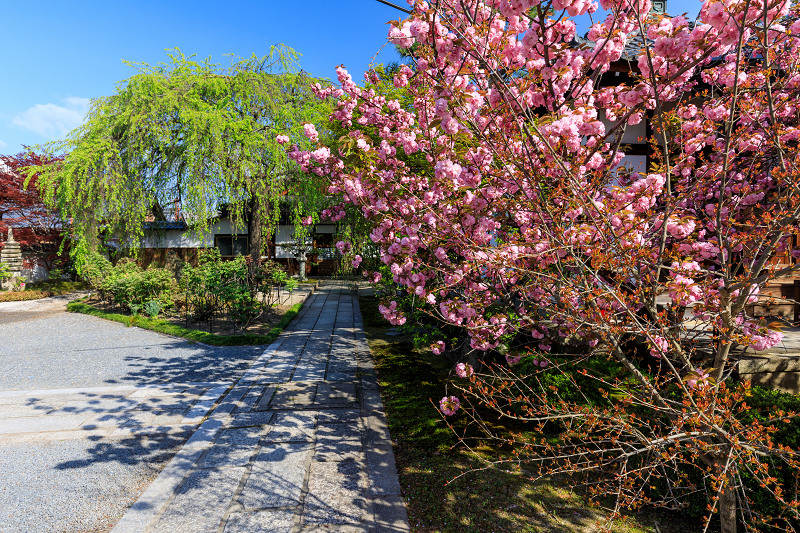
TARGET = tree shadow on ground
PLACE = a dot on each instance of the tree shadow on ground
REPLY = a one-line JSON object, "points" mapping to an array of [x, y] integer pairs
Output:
{"points": [[191, 363], [149, 448]]}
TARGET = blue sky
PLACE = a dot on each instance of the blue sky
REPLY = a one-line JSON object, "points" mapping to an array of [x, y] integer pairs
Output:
{"points": [[57, 55]]}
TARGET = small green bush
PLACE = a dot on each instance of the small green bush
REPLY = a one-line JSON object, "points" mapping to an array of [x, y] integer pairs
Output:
{"points": [[215, 286], [5, 272], [95, 269], [129, 285], [152, 308]]}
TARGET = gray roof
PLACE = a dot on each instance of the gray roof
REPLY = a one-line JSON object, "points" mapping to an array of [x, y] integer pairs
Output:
{"points": [[165, 224]]}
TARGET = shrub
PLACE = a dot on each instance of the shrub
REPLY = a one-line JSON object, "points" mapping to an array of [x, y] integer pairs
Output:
{"points": [[94, 269], [215, 286], [129, 285], [5, 272], [152, 308]]}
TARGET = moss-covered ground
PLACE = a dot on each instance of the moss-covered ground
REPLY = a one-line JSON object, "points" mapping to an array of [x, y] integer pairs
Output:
{"points": [[447, 487]]}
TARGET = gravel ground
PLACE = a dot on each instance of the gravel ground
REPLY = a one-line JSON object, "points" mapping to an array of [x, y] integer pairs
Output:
{"points": [[53, 350], [85, 484], [76, 485]]}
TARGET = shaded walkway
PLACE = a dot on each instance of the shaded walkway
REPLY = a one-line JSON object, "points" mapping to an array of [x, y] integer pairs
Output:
{"points": [[299, 444]]}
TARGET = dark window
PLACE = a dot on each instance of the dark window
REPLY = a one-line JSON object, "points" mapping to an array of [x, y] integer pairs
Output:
{"points": [[323, 239], [231, 245], [323, 242]]}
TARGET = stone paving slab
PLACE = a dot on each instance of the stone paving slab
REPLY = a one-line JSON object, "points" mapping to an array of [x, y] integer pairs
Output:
{"points": [[201, 502], [336, 493], [254, 418], [273, 520], [233, 447], [293, 426], [299, 444], [277, 476]]}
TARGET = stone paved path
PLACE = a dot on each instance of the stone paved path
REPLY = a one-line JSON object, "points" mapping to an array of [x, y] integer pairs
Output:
{"points": [[300, 443]]}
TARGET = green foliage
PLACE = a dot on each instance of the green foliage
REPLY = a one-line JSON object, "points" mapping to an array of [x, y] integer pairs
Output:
{"points": [[763, 401], [216, 286], [272, 272], [291, 284], [162, 326], [596, 380], [94, 269], [5, 272], [192, 130], [279, 277], [152, 308], [763, 406], [129, 285]]}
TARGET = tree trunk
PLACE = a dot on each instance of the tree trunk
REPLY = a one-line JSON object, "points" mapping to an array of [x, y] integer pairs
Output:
{"points": [[92, 236], [727, 508], [255, 229]]}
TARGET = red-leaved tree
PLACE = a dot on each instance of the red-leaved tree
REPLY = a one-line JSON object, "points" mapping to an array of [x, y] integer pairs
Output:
{"points": [[36, 227], [524, 230]]}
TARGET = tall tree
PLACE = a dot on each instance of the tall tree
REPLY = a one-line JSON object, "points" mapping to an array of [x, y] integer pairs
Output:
{"points": [[187, 131], [523, 231], [36, 227]]}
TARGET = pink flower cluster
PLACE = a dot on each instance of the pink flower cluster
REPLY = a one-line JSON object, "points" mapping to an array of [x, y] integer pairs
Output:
{"points": [[449, 405], [491, 172], [698, 378], [464, 370]]}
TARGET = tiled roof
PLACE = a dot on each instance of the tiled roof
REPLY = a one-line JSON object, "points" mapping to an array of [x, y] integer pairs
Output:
{"points": [[165, 224]]}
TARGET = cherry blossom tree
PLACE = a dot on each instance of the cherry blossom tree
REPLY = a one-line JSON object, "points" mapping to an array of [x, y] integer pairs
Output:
{"points": [[525, 228]]}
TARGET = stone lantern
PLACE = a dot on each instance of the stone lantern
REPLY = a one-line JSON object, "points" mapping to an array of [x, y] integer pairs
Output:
{"points": [[12, 255]]}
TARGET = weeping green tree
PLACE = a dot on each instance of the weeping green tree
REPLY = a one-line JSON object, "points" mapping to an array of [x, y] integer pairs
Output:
{"points": [[191, 132]]}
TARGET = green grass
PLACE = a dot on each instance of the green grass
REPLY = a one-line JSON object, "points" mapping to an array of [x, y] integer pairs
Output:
{"points": [[448, 489], [162, 326]]}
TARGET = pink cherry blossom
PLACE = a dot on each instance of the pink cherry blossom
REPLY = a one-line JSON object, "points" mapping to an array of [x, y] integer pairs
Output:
{"points": [[698, 378], [464, 370], [513, 359], [449, 405], [311, 132]]}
